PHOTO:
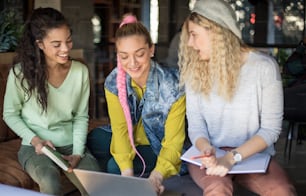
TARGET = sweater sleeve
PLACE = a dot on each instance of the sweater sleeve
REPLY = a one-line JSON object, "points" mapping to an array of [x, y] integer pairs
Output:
{"points": [[272, 102], [120, 144], [80, 118], [197, 127], [12, 108], [168, 161]]}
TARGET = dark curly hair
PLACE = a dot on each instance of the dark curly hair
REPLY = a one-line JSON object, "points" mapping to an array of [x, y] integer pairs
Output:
{"points": [[30, 57]]}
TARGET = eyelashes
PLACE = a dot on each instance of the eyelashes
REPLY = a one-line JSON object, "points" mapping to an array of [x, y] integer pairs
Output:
{"points": [[58, 44], [125, 57]]}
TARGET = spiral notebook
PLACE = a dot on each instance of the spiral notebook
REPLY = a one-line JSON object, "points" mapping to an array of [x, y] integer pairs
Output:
{"points": [[257, 163]]}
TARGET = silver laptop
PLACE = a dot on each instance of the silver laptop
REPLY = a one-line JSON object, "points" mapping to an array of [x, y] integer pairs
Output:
{"points": [[105, 184]]}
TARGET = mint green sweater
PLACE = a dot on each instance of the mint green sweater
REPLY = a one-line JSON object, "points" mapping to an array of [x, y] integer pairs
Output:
{"points": [[66, 120]]}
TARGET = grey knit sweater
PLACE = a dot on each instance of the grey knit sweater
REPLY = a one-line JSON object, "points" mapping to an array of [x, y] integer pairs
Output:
{"points": [[256, 109]]}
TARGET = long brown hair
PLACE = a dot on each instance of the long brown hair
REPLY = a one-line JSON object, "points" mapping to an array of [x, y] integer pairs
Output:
{"points": [[31, 59]]}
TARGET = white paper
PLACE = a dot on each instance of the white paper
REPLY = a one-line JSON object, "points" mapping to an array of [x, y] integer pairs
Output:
{"points": [[257, 163]]}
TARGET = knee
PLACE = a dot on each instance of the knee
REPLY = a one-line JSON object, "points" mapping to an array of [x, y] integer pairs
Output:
{"points": [[94, 137], [112, 167], [98, 141], [89, 162], [50, 180], [218, 187], [47, 171], [282, 190]]}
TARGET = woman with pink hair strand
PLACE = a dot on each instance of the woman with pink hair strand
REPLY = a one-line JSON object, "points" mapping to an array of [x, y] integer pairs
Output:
{"points": [[146, 109]]}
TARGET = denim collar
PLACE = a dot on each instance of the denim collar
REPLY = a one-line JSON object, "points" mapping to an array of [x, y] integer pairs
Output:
{"points": [[152, 85]]}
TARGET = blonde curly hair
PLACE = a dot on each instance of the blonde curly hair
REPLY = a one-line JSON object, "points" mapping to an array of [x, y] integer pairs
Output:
{"points": [[225, 62]]}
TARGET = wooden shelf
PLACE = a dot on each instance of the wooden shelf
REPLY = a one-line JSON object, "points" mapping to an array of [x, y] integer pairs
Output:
{"points": [[122, 7], [131, 5], [102, 2]]}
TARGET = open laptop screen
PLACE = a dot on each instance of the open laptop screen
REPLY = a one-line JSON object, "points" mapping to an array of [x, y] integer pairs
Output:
{"points": [[100, 183]]}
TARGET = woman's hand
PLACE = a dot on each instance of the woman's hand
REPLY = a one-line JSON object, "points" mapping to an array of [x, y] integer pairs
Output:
{"points": [[73, 161], [127, 172], [156, 180], [209, 158], [224, 164], [38, 143]]}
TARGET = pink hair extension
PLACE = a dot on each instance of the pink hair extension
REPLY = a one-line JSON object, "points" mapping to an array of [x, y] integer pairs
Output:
{"points": [[122, 94], [128, 19]]}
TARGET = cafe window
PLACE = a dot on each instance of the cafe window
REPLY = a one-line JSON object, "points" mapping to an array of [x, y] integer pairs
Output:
{"points": [[270, 22]]}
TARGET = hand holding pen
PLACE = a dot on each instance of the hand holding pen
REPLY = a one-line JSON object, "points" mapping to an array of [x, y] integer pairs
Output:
{"points": [[208, 158]]}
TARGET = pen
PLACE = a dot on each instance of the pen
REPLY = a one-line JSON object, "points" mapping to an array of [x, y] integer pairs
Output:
{"points": [[200, 156]]}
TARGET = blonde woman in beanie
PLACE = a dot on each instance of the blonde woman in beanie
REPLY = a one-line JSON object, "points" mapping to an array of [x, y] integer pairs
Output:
{"points": [[146, 109], [234, 101]]}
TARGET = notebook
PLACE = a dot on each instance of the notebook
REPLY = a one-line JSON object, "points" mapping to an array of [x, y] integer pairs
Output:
{"points": [[257, 163], [100, 183]]}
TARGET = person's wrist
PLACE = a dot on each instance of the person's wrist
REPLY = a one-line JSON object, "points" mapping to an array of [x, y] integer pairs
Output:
{"points": [[127, 172], [79, 157], [235, 157], [35, 140], [158, 175]]}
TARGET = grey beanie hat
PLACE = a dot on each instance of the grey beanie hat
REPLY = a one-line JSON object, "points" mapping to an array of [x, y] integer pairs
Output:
{"points": [[219, 12]]}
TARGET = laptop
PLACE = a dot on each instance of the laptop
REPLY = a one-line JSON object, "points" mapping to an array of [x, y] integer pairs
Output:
{"points": [[105, 184]]}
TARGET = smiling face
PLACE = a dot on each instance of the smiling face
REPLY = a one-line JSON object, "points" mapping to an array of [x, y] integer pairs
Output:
{"points": [[135, 55], [56, 45], [200, 40]]}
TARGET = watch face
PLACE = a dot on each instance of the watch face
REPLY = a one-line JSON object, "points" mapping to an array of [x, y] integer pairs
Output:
{"points": [[237, 156]]}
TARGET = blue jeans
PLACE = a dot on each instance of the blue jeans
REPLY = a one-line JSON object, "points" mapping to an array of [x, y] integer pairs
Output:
{"points": [[98, 142], [47, 174]]}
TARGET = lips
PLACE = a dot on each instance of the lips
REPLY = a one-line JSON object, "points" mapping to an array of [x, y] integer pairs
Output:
{"points": [[134, 69], [63, 56]]}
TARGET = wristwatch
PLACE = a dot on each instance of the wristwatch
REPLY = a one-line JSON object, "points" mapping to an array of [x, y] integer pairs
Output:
{"points": [[236, 156]]}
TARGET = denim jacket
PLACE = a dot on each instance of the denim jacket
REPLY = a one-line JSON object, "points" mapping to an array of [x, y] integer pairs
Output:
{"points": [[162, 91]]}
